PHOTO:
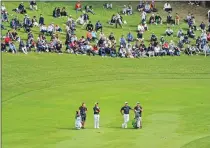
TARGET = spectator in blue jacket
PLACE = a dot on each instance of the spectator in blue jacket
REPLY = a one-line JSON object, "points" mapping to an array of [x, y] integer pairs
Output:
{"points": [[130, 37], [202, 26], [12, 47], [98, 26], [123, 41]]}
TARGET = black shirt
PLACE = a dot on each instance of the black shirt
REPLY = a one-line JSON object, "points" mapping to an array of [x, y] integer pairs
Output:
{"points": [[83, 110], [138, 111], [126, 109], [96, 110], [89, 27]]}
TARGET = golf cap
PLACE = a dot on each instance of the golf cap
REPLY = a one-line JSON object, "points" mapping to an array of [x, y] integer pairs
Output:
{"points": [[137, 103], [96, 103], [126, 102]]}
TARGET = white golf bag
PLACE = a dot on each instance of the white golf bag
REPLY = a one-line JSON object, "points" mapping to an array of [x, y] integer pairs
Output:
{"points": [[78, 123]]}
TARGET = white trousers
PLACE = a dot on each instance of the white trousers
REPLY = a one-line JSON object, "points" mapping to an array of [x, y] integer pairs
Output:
{"points": [[78, 124], [96, 120], [126, 119]]}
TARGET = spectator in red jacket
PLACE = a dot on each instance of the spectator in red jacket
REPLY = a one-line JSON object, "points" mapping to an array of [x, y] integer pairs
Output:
{"points": [[78, 6], [7, 40]]}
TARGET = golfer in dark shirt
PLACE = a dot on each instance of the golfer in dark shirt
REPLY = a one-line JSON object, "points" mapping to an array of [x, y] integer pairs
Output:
{"points": [[96, 111], [125, 112], [138, 111], [83, 110]]}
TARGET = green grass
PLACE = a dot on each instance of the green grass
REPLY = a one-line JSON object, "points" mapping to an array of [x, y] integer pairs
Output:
{"points": [[46, 8], [41, 92]]}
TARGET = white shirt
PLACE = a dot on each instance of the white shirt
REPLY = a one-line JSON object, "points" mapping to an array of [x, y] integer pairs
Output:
{"points": [[167, 5], [157, 49], [141, 28], [169, 30], [43, 28], [3, 8], [50, 28]]}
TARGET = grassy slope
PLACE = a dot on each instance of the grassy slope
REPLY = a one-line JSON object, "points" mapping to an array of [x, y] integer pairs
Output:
{"points": [[41, 93], [46, 8]]}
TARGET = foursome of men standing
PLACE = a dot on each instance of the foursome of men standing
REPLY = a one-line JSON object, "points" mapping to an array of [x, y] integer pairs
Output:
{"points": [[125, 111]]}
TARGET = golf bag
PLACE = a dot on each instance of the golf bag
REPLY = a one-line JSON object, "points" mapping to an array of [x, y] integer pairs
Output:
{"points": [[78, 121], [135, 122]]}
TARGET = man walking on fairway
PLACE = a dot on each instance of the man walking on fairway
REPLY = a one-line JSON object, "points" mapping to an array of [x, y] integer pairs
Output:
{"points": [[96, 111], [83, 111], [125, 112], [138, 110]]}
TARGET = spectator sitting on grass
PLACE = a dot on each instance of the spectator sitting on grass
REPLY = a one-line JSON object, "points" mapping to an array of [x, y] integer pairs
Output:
{"points": [[33, 5], [78, 6], [157, 50], [130, 37], [58, 12], [89, 26], [20, 9], [140, 28], [80, 20], [43, 29], [144, 24], [55, 12], [12, 47], [140, 6], [98, 26], [85, 18], [108, 5], [129, 10], [124, 10], [89, 35], [152, 19], [169, 31], [122, 41], [58, 28], [180, 33], [89, 9], [167, 7], [50, 29], [202, 26], [94, 36], [112, 21], [112, 37], [63, 12], [140, 36], [190, 33], [208, 36], [153, 37], [34, 21], [147, 8], [158, 19], [22, 47]]}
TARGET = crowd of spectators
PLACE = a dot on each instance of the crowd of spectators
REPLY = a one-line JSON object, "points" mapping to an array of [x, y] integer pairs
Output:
{"points": [[95, 42]]}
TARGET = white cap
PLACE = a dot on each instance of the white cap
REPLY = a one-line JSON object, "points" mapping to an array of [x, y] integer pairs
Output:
{"points": [[126, 102]]}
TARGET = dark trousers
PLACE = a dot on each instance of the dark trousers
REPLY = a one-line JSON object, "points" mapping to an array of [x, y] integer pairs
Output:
{"points": [[97, 28]]}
